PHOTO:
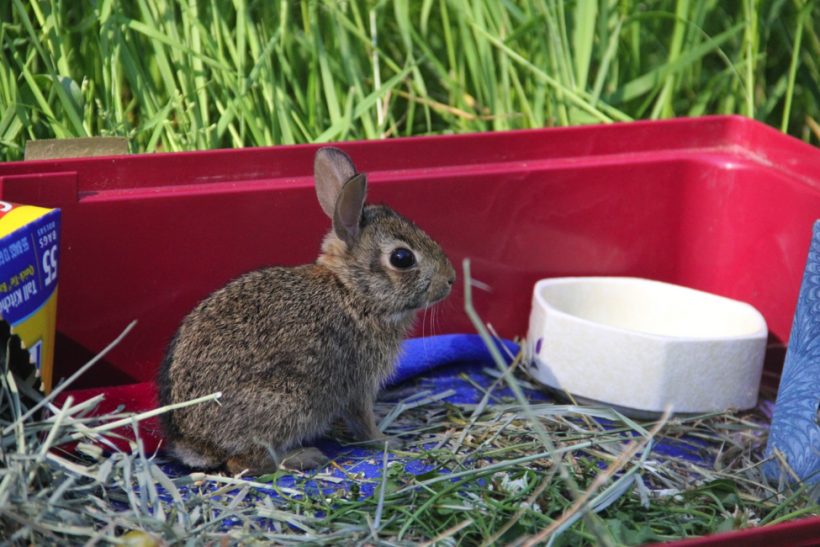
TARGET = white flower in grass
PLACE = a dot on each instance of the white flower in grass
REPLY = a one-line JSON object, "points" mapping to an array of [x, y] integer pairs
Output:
{"points": [[531, 506], [514, 486]]}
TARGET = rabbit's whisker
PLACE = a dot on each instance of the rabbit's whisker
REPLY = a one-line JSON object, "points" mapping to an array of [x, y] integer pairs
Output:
{"points": [[423, 336]]}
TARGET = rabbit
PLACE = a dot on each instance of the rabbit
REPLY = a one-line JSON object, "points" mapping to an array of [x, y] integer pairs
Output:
{"points": [[292, 349]]}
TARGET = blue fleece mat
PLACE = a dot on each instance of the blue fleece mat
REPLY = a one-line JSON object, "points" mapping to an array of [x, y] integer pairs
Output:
{"points": [[432, 365], [420, 355]]}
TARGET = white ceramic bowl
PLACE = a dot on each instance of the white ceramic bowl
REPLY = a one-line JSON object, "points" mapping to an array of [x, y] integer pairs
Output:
{"points": [[642, 345]]}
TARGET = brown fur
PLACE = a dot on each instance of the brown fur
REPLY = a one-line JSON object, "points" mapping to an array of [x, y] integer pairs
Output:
{"points": [[292, 349]]}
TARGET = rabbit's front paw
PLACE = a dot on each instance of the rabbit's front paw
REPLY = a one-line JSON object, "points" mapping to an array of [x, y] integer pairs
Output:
{"points": [[303, 459]]}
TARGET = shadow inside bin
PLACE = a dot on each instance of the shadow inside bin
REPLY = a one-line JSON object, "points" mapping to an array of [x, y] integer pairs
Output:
{"points": [[74, 355]]}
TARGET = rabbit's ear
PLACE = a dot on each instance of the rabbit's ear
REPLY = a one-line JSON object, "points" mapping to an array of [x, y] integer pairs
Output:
{"points": [[331, 169], [348, 210]]}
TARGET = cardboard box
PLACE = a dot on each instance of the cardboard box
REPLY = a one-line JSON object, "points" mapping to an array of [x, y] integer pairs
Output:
{"points": [[29, 257]]}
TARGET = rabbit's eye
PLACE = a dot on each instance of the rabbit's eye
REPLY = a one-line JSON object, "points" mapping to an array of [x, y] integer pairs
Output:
{"points": [[402, 258]]}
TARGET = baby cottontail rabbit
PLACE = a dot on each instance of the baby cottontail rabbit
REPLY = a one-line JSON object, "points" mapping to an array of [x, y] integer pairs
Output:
{"points": [[292, 349]]}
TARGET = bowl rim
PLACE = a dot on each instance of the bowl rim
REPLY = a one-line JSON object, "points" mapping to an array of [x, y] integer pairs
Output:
{"points": [[545, 307]]}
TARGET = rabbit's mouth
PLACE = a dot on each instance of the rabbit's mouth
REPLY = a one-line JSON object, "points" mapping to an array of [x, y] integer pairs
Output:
{"points": [[437, 294], [432, 296]]}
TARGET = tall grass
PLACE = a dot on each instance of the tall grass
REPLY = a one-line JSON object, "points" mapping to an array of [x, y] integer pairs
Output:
{"points": [[199, 74]]}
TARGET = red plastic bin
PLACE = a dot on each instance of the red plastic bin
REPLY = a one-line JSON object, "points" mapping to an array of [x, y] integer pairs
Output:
{"points": [[720, 204]]}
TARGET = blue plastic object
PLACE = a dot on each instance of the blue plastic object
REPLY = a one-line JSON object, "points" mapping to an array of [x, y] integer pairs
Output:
{"points": [[794, 432]]}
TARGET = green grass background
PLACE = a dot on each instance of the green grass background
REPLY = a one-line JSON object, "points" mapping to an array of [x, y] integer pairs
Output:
{"points": [[203, 74]]}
